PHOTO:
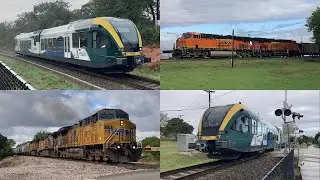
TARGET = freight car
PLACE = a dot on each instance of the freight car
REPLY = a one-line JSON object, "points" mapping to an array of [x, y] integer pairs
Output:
{"points": [[105, 43], [232, 130], [106, 135], [193, 44]]}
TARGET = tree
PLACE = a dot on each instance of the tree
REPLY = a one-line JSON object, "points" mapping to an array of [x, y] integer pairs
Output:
{"points": [[313, 24], [177, 126], [11, 142], [5, 147], [317, 137], [40, 135], [152, 142]]}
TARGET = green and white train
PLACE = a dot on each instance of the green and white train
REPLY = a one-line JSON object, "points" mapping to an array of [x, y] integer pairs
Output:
{"points": [[105, 43], [232, 130]]}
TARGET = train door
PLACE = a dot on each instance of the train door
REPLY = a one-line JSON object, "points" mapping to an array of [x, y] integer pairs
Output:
{"points": [[67, 53]]}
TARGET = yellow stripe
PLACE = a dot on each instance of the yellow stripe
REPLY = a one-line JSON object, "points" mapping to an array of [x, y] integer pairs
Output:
{"points": [[139, 37], [206, 138], [132, 53], [229, 115], [106, 24]]}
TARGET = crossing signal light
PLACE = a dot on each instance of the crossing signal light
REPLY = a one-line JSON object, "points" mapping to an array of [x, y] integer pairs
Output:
{"points": [[278, 112], [287, 112], [294, 115]]}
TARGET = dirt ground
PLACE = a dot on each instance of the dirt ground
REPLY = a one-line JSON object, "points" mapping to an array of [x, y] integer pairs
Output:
{"points": [[37, 168], [152, 52]]}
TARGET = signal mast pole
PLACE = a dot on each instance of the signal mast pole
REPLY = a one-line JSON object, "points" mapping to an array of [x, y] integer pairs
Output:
{"points": [[209, 91], [232, 48]]}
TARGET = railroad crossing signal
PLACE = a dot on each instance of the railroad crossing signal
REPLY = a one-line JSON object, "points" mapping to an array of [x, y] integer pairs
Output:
{"points": [[294, 115], [148, 148], [286, 112]]}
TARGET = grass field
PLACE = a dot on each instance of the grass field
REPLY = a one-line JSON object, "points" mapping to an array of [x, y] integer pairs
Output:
{"points": [[37, 77], [273, 73], [171, 159], [148, 73]]}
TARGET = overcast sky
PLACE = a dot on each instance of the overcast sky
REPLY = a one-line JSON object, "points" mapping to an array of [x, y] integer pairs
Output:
{"points": [[23, 114], [263, 103], [9, 9], [283, 19]]}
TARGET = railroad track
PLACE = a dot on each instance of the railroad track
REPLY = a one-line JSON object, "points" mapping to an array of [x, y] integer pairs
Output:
{"points": [[92, 80], [193, 172]]}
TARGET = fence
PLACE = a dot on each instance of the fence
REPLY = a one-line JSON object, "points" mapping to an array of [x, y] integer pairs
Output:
{"points": [[284, 170], [9, 80]]}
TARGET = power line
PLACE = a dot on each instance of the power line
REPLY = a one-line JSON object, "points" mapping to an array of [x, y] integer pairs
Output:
{"points": [[184, 109]]}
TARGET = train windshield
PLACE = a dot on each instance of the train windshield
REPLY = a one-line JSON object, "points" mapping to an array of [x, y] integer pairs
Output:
{"points": [[126, 30], [214, 116], [186, 35]]}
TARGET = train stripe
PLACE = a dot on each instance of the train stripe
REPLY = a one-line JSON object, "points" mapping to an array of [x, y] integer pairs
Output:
{"points": [[107, 25], [230, 114]]}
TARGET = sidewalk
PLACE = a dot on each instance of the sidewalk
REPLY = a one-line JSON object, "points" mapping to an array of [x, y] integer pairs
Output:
{"points": [[310, 163]]}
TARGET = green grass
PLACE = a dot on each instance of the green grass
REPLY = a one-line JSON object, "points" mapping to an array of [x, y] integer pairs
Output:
{"points": [[276, 73], [171, 159], [145, 72], [38, 78]]}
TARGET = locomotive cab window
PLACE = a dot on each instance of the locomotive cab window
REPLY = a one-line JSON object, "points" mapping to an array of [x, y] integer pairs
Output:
{"points": [[241, 124], [100, 40]]}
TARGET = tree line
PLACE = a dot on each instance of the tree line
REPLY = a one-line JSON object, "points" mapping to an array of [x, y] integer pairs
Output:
{"points": [[144, 13], [313, 24], [6, 146]]}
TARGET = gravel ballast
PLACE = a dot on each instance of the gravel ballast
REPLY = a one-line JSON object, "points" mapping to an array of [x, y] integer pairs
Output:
{"points": [[254, 169], [38, 168]]}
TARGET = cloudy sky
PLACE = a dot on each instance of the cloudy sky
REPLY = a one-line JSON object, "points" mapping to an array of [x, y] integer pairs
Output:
{"points": [[22, 114], [9, 9], [263, 103], [257, 18]]}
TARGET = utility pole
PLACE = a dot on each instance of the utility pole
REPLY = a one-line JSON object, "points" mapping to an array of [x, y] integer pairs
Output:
{"points": [[209, 92], [232, 47]]}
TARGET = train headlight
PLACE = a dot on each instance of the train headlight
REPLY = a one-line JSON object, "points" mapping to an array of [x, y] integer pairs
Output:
{"points": [[140, 48], [133, 147], [221, 132], [121, 123], [118, 147]]}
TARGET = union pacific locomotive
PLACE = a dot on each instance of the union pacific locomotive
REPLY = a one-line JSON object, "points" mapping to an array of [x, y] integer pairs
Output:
{"points": [[232, 130], [104, 43], [193, 44], [106, 135]]}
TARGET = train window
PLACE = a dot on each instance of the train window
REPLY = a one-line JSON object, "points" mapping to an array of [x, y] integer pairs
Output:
{"points": [[68, 44], [50, 43], [42, 44], [65, 44], [103, 41], [186, 35], [214, 116], [55, 43], [94, 39], [241, 124], [259, 132], [34, 40], [83, 39], [254, 127], [75, 40]]}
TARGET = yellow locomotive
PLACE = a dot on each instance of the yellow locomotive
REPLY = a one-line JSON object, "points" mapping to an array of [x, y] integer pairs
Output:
{"points": [[106, 135]]}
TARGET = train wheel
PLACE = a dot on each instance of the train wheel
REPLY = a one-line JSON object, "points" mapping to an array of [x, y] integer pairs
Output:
{"points": [[91, 157]]}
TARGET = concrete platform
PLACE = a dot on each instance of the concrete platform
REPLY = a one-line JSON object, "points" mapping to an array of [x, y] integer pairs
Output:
{"points": [[142, 175]]}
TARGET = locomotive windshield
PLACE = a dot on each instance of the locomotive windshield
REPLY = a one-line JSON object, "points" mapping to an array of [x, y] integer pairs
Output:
{"points": [[214, 116], [127, 32], [186, 35]]}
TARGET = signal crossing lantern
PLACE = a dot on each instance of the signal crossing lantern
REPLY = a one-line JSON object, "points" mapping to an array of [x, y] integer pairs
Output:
{"points": [[148, 148], [286, 112], [294, 115]]}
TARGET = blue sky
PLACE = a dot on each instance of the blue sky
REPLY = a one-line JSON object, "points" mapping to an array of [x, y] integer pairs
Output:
{"points": [[283, 19]]}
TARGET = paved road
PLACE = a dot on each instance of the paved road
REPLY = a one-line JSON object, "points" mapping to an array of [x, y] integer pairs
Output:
{"points": [[144, 175]]}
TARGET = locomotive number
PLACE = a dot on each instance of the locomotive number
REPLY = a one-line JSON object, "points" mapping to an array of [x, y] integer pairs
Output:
{"points": [[223, 43]]}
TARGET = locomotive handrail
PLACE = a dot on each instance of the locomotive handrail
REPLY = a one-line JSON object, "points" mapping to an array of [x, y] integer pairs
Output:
{"points": [[109, 138]]}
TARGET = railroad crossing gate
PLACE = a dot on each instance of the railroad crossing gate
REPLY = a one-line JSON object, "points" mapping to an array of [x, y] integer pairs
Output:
{"points": [[148, 148]]}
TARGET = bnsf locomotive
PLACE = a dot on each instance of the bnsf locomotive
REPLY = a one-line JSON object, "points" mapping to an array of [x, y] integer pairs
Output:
{"points": [[192, 44], [105, 43], [106, 135], [232, 130]]}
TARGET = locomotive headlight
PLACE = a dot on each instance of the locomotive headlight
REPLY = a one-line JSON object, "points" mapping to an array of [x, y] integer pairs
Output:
{"points": [[121, 123], [133, 147], [140, 48], [221, 132], [118, 147]]}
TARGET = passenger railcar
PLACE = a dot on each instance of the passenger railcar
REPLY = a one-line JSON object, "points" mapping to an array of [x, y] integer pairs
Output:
{"points": [[233, 130], [105, 43], [193, 44], [106, 135]]}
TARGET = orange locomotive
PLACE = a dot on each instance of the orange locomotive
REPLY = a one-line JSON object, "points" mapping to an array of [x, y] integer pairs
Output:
{"points": [[193, 44]]}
